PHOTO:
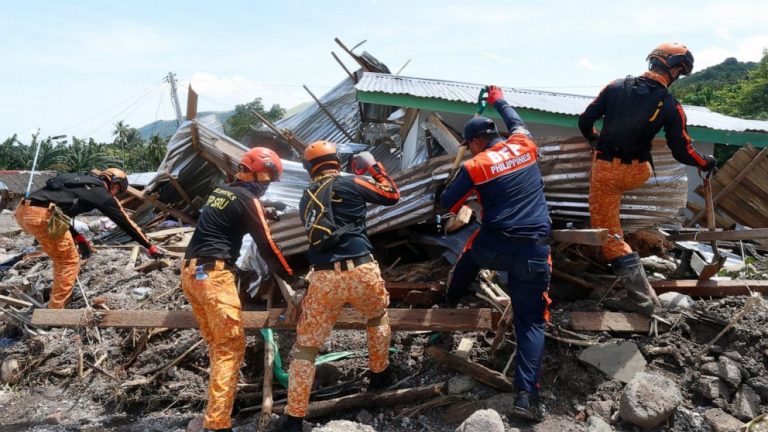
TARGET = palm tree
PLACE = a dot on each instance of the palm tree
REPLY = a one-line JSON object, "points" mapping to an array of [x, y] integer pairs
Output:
{"points": [[83, 156], [10, 153], [156, 151], [49, 158]]}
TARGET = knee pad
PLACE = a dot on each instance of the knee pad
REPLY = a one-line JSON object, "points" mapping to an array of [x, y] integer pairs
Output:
{"points": [[305, 353], [380, 321]]}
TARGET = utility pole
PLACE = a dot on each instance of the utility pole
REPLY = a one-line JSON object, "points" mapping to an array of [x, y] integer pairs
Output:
{"points": [[175, 98]]}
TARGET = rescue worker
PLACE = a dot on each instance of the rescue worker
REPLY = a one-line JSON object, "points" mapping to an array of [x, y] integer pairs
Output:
{"points": [[514, 235], [48, 212], [208, 278], [634, 110], [342, 272]]}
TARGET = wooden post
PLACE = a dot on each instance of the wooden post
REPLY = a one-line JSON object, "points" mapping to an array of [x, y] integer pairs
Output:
{"points": [[477, 371], [269, 361], [351, 76], [330, 116]]}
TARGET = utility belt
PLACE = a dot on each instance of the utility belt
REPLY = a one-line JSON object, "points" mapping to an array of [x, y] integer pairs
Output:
{"points": [[626, 160], [344, 265], [207, 264], [522, 240], [59, 223]]}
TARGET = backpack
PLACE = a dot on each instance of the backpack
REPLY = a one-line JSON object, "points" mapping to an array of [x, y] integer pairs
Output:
{"points": [[72, 180], [636, 107], [322, 231]]}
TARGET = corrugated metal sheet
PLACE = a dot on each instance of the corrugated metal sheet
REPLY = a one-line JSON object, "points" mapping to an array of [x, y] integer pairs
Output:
{"points": [[16, 181], [559, 103], [313, 124], [565, 166]]}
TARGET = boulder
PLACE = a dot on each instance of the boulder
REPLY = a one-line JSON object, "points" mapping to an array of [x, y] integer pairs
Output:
{"points": [[603, 409], [721, 421], [688, 420], [10, 371], [649, 399], [675, 300], [746, 404], [486, 420]]}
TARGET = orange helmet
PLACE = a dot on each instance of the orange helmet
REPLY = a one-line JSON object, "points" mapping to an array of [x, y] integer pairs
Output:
{"points": [[318, 154], [672, 55], [115, 176], [262, 160]]}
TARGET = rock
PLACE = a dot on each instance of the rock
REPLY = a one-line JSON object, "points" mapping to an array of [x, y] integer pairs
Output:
{"points": [[141, 293], [502, 403], [649, 399], [726, 369], [559, 424], [711, 387], [196, 424], [675, 300], [746, 404], [603, 409], [619, 361], [364, 417], [486, 420], [5, 397], [721, 421], [690, 420], [597, 424], [327, 374], [460, 384], [343, 426], [734, 355], [10, 371], [760, 386]]}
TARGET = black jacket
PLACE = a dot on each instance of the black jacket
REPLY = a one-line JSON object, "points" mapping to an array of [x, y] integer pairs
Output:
{"points": [[231, 212], [77, 197], [619, 139], [350, 196]]}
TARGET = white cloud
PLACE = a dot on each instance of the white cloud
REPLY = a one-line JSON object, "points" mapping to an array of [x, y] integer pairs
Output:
{"points": [[230, 91], [724, 33], [498, 58], [585, 64], [745, 49]]}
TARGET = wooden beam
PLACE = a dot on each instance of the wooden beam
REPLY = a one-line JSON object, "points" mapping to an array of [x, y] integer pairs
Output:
{"points": [[179, 189], [711, 288], [169, 232], [358, 401], [297, 143], [610, 321], [338, 60], [593, 237], [191, 103], [400, 319], [14, 301], [477, 371], [728, 235], [162, 206]]}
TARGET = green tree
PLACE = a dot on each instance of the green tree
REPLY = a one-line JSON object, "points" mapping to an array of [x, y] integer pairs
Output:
{"points": [[242, 120], [84, 155], [748, 98], [10, 153], [156, 150], [49, 158]]}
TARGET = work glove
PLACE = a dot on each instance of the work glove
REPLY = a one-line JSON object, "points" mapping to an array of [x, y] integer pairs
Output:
{"points": [[83, 246], [495, 93], [362, 161], [271, 214], [155, 252], [711, 166]]}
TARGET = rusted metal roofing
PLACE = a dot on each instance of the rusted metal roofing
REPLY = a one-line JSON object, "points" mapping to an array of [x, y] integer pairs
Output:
{"points": [[16, 181], [559, 103]]}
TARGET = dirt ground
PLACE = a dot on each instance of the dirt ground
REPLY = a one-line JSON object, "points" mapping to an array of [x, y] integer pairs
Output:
{"points": [[49, 395]]}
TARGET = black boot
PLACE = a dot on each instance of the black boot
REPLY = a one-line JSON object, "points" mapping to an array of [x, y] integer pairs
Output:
{"points": [[289, 423], [527, 405], [380, 381], [640, 295]]}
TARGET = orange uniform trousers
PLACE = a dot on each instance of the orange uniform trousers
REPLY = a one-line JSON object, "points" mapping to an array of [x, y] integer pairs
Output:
{"points": [[216, 305], [62, 251], [608, 182], [328, 292]]}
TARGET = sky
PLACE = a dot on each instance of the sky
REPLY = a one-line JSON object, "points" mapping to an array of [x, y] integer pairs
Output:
{"points": [[78, 67]]}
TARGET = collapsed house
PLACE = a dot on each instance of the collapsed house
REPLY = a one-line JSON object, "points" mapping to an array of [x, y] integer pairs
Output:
{"points": [[410, 125]]}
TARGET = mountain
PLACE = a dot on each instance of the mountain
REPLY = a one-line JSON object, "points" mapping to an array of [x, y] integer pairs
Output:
{"points": [[166, 128], [699, 88]]}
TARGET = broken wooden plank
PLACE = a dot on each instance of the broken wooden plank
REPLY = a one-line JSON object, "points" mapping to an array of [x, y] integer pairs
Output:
{"points": [[152, 265], [610, 321], [169, 232], [727, 235], [14, 301], [371, 399], [711, 288], [400, 319], [465, 346], [477, 371], [593, 237], [462, 218]]}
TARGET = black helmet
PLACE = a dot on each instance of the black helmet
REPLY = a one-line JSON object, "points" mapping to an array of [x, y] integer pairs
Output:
{"points": [[478, 126], [672, 55]]}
